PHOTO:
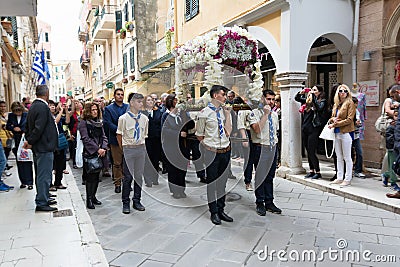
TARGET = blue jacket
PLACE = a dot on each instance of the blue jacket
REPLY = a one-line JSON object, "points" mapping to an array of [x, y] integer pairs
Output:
{"points": [[110, 120]]}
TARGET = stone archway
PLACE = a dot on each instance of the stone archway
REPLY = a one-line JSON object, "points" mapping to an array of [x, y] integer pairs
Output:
{"points": [[391, 34]]}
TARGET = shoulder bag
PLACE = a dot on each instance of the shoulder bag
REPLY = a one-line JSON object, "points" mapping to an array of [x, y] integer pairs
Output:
{"points": [[92, 164], [328, 134], [382, 122]]}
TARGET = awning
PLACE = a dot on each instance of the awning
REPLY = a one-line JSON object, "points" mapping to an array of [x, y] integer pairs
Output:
{"points": [[14, 52], [156, 63]]}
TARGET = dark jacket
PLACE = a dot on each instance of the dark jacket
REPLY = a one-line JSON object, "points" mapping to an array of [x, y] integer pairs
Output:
{"points": [[174, 145], [390, 137], [41, 131], [397, 137], [111, 115], [13, 122], [316, 117], [154, 123], [92, 137]]}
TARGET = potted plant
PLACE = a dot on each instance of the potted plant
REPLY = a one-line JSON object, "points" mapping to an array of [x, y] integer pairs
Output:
{"points": [[129, 26], [122, 33], [168, 38]]}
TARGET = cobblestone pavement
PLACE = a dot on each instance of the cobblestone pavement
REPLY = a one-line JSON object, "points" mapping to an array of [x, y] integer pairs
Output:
{"points": [[179, 233]]}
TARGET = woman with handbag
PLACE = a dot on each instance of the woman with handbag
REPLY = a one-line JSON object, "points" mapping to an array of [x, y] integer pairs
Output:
{"points": [[94, 148], [342, 121], [313, 123], [16, 124], [59, 162], [6, 136]]}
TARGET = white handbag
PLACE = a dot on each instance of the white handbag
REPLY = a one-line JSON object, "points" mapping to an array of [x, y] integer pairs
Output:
{"points": [[328, 134]]}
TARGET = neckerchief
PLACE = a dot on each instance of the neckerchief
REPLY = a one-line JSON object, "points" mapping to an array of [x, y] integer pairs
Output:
{"points": [[136, 134], [220, 126]]}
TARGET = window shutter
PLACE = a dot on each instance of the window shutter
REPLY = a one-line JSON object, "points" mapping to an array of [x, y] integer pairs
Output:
{"points": [[195, 8], [133, 9], [188, 9], [118, 20], [132, 58], [191, 9], [126, 12], [125, 62]]}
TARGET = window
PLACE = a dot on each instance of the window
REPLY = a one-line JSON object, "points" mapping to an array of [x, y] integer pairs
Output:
{"points": [[62, 77], [132, 58], [46, 37], [118, 21], [192, 9], [62, 67], [133, 9], [56, 69], [56, 77], [125, 62], [126, 11], [48, 55]]}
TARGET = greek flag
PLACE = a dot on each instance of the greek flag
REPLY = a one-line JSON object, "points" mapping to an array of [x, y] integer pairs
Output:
{"points": [[40, 67]]}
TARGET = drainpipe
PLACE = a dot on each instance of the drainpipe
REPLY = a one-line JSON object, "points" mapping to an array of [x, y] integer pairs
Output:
{"points": [[355, 40]]}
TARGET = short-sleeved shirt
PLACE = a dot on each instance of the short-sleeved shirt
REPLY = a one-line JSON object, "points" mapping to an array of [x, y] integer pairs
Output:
{"points": [[243, 119], [207, 126], [263, 136], [126, 128]]}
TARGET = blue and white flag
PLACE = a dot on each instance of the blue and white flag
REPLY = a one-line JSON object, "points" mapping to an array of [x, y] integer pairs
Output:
{"points": [[40, 67]]}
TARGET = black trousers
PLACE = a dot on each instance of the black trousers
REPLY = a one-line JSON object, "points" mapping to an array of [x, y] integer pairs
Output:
{"points": [[25, 170], [176, 178], [194, 147], [153, 148], [310, 141], [217, 176], [72, 150], [59, 165]]}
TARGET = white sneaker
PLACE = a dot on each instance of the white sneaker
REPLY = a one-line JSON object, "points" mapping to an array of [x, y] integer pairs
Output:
{"points": [[359, 175]]}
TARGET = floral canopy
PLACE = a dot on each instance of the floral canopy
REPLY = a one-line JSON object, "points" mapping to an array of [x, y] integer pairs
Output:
{"points": [[230, 46]]}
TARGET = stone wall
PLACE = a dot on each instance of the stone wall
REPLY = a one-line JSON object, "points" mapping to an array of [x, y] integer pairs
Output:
{"points": [[145, 17]]}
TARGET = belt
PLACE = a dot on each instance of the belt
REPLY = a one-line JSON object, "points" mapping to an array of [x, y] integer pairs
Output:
{"points": [[258, 144], [216, 150], [133, 146]]}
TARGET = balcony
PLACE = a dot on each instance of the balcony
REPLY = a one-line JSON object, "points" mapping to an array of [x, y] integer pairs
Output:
{"points": [[104, 25], [82, 35]]}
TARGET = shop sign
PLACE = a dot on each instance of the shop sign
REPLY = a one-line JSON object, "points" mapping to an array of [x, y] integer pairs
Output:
{"points": [[110, 85]]}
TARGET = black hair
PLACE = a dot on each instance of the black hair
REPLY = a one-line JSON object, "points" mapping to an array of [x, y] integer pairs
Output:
{"points": [[41, 90], [215, 89], [134, 96], [2, 102], [118, 89], [268, 92], [51, 102], [238, 100], [169, 101]]}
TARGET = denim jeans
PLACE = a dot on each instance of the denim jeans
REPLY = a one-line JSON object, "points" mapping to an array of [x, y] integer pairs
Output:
{"points": [[3, 162], [359, 156], [44, 173]]}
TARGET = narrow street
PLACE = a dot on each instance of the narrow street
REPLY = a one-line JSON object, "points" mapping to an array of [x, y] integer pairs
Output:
{"points": [[168, 234]]}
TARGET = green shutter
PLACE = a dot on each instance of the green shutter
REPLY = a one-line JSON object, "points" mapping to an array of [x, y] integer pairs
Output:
{"points": [[125, 62], [118, 20], [133, 9], [132, 58]]}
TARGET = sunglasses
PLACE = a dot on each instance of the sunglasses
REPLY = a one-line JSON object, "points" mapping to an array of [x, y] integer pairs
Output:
{"points": [[343, 91]]}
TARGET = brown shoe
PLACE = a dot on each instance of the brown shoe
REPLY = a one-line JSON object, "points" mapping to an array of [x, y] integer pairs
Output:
{"points": [[395, 195]]}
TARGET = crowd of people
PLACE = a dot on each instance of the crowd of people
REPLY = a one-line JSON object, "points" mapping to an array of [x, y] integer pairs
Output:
{"points": [[148, 135]]}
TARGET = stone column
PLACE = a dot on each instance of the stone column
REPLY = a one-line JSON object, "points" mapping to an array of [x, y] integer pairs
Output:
{"points": [[291, 159]]}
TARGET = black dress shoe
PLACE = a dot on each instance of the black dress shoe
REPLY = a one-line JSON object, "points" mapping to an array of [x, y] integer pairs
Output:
{"points": [[225, 217], [125, 208], [309, 175], [260, 209], [22, 186], [138, 206], [272, 208], [203, 180], [51, 202], [316, 176], [155, 183], [231, 176], [117, 189], [83, 182], [51, 195], [45, 208], [149, 185], [215, 219], [176, 195], [96, 201], [333, 178]]}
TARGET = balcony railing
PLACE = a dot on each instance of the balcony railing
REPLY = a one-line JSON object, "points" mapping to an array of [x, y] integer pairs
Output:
{"points": [[104, 24]]}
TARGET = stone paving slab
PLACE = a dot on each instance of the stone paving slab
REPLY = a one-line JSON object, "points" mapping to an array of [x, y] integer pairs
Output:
{"points": [[30, 238]]}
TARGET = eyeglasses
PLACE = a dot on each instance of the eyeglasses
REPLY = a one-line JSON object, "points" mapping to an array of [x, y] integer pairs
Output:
{"points": [[343, 91]]}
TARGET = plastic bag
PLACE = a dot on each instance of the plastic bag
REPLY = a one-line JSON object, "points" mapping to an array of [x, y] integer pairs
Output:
{"points": [[22, 153], [79, 151]]}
